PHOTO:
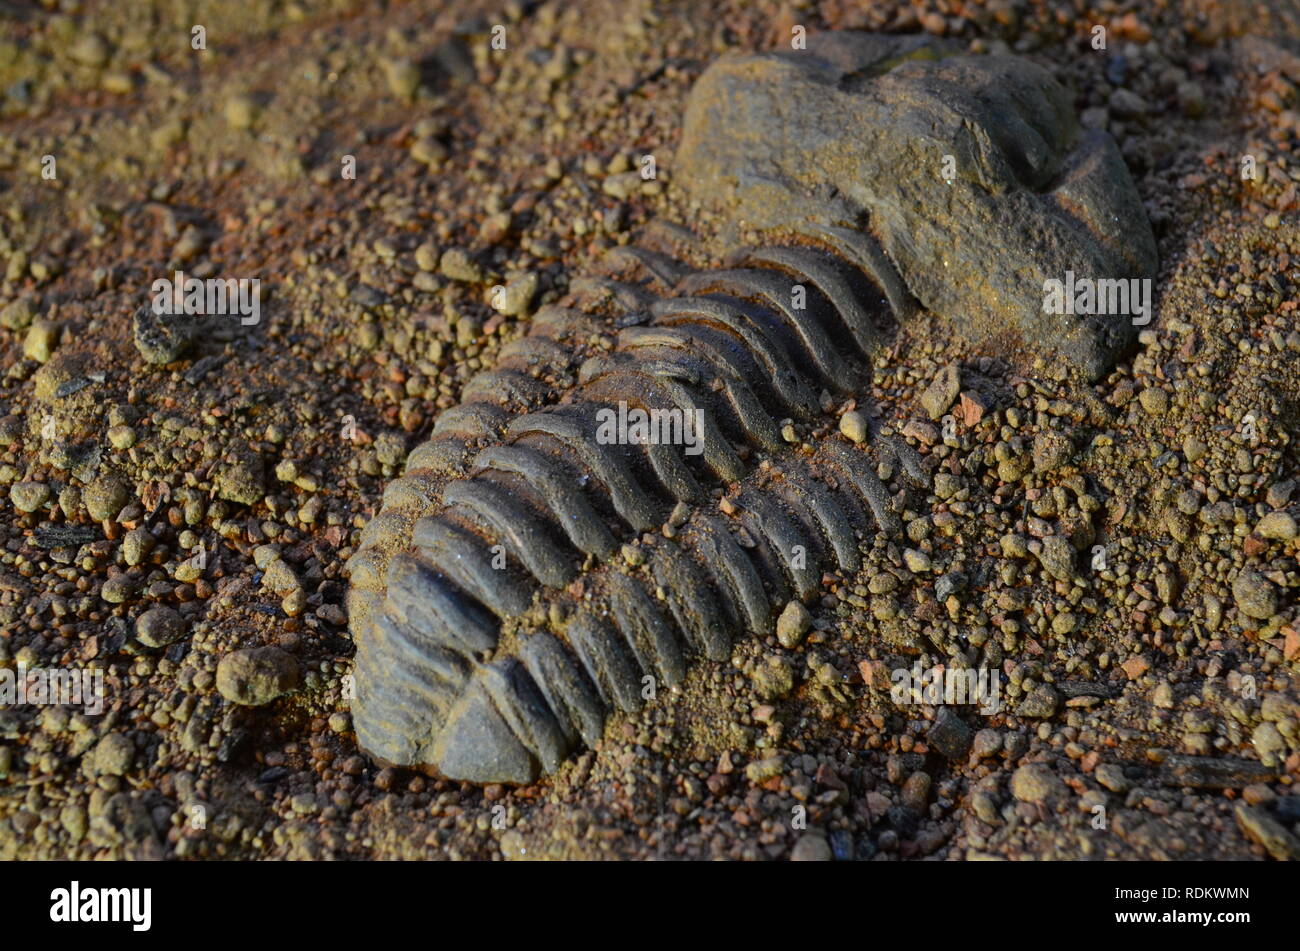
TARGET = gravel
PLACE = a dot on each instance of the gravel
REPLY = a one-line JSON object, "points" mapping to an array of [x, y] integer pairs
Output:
{"points": [[377, 308]]}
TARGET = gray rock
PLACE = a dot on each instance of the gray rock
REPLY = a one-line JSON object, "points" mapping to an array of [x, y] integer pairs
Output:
{"points": [[1051, 450], [1126, 104], [119, 589], [241, 111], [883, 583], [367, 297], [73, 819], [426, 257], [946, 485], [403, 77], [1154, 400], [987, 742], [1279, 493], [263, 555], [761, 770], [122, 821], [121, 437], [427, 150], [390, 448], [1287, 808], [516, 295], [985, 807], [136, 545], [1032, 195], [89, 50], [946, 585], [1268, 743], [916, 561]]}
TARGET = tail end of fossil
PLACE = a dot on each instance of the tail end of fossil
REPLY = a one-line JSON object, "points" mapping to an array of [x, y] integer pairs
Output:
{"points": [[477, 745], [405, 719], [427, 694]]}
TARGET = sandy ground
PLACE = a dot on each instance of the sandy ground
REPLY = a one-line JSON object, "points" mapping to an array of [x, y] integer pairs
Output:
{"points": [[157, 518]]}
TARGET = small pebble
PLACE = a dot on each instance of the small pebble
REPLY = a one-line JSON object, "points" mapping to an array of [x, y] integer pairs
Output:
{"points": [[793, 624], [42, 337], [256, 677], [159, 627], [811, 848], [854, 425], [1036, 783], [29, 496]]}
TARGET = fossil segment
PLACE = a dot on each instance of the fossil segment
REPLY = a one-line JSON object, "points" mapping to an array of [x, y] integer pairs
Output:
{"points": [[542, 563], [495, 686]]}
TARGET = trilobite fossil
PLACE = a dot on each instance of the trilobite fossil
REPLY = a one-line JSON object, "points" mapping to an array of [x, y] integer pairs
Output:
{"points": [[526, 574]]}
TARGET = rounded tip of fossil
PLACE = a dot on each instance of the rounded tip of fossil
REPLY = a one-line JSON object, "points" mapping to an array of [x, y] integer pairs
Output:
{"points": [[477, 746]]}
